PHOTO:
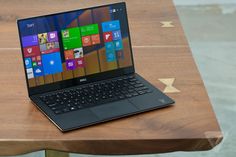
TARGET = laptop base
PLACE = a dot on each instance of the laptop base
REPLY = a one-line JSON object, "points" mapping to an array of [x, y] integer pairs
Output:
{"points": [[107, 111]]}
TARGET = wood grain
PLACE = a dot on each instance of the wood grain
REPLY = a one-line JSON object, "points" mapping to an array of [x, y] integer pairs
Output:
{"points": [[190, 125], [181, 127]]}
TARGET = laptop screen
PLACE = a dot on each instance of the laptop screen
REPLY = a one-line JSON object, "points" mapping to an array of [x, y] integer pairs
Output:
{"points": [[75, 44]]}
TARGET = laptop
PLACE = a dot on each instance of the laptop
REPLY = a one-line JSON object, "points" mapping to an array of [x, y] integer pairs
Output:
{"points": [[79, 67]]}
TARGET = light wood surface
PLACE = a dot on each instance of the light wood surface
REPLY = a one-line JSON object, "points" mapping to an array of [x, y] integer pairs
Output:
{"points": [[159, 52]]}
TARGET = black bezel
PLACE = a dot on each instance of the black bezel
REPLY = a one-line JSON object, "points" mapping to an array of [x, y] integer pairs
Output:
{"points": [[86, 79]]}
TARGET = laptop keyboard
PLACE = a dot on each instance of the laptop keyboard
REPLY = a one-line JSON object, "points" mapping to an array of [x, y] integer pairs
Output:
{"points": [[94, 94]]}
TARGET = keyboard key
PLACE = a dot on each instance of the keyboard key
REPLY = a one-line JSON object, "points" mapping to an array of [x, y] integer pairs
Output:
{"points": [[128, 95], [141, 88], [73, 108], [52, 105], [53, 108], [132, 80], [57, 111], [134, 94], [66, 109], [121, 97], [141, 92], [139, 85]]}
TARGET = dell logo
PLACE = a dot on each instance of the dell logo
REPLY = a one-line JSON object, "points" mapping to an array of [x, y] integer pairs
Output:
{"points": [[83, 80]]}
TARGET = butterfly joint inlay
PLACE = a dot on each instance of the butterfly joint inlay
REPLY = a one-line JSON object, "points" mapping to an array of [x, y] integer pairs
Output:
{"points": [[167, 24], [169, 85]]}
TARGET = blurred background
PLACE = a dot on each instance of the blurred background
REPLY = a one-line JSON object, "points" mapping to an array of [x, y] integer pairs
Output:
{"points": [[209, 26]]}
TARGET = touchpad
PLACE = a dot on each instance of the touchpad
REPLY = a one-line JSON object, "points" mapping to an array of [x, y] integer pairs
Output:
{"points": [[114, 109]]}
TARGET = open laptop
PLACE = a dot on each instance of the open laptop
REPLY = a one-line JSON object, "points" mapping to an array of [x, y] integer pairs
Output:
{"points": [[79, 67]]}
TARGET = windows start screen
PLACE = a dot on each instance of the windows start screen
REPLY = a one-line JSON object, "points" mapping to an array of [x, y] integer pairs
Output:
{"points": [[42, 51], [75, 44]]}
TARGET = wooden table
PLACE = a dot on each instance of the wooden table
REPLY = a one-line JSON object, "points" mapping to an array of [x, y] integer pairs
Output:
{"points": [[160, 51]]}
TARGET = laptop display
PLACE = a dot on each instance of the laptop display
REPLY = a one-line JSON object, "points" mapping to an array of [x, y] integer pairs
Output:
{"points": [[75, 44]]}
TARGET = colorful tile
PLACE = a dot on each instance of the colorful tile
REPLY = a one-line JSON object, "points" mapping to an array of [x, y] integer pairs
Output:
{"points": [[52, 36], [31, 51], [110, 26], [110, 52], [43, 38], [29, 40], [52, 63], [39, 63], [51, 51], [38, 71], [71, 38], [34, 64], [89, 30], [51, 47], [43, 47], [107, 36], [38, 58], [30, 73], [86, 40], [80, 62], [69, 54], [118, 45], [116, 35], [95, 39], [33, 59], [70, 64], [110, 56], [78, 53], [109, 46], [28, 63], [65, 33]]}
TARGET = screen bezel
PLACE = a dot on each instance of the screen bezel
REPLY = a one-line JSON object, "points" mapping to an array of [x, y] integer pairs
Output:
{"points": [[84, 79]]}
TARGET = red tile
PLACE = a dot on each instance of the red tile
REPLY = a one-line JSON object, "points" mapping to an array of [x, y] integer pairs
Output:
{"points": [[80, 62], [51, 51], [38, 58], [69, 54], [33, 59], [31, 51], [95, 39], [86, 40], [107, 36]]}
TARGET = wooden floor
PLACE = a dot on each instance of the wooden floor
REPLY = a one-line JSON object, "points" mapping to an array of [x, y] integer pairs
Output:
{"points": [[159, 52]]}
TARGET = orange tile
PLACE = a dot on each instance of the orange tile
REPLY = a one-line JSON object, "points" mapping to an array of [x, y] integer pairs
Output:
{"points": [[95, 39], [69, 54]]}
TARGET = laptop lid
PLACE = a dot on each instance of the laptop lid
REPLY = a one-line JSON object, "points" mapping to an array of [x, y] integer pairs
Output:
{"points": [[75, 47]]}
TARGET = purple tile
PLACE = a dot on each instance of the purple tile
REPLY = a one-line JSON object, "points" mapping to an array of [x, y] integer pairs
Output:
{"points": [[30, 40], [52, 36], [70, 64]]}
